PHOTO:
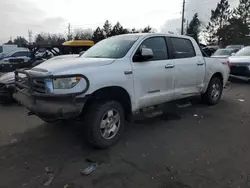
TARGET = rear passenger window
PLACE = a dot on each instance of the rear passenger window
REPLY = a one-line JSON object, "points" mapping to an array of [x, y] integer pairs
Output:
{"points": [[183, 48], [158, 46]]}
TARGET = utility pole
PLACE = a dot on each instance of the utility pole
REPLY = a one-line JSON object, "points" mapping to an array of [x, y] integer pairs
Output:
{"points": [[182, 18], [30, 36], [69, 30], [187, 27]]}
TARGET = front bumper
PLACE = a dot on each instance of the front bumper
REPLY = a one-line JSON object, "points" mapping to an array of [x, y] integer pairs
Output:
{"points": [[47, 106], [240, 70], [51, 108]]}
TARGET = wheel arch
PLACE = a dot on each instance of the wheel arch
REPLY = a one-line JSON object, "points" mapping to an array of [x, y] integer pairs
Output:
{"points": [[116, 93], [219, 75]]}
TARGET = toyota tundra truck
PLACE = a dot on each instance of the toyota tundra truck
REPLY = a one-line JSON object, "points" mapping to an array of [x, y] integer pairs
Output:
{"points": [[118, 77]]}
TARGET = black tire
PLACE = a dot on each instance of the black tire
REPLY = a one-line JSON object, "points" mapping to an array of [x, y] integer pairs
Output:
{"points": [[208, 96], [93, 119]]}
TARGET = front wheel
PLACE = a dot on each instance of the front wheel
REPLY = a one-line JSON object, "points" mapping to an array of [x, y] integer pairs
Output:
{"points": [[214, 91], [104, 123]]}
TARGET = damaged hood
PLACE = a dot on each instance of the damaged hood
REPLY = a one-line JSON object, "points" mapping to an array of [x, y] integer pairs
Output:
{"points": [[61, 65]]}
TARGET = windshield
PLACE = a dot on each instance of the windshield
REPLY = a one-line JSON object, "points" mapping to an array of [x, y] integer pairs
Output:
{"points": [[223, 52], [1, 49], [9, 54], [244, 52], [114, 47]]}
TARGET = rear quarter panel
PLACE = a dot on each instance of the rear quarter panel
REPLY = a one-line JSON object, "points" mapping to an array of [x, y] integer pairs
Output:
{"points": [[213, 66]]}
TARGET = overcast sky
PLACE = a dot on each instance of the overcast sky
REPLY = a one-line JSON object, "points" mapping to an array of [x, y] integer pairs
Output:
{"points": [[17, 16]]}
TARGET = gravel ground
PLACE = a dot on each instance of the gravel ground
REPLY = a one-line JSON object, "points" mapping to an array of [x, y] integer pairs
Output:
{"points": [[199, 146]]}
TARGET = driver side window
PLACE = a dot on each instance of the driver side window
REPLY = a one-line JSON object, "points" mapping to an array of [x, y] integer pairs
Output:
{"points": [[157, 45]]}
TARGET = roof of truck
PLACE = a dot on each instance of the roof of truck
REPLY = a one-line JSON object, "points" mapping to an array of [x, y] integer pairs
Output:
{"points": [[159, 34]]}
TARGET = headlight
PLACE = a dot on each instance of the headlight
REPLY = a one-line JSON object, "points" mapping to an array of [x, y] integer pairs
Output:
{"points": [[65, 83]]}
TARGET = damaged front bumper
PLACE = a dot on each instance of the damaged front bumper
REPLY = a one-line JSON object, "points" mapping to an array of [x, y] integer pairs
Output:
{"points": [[45, 105]]}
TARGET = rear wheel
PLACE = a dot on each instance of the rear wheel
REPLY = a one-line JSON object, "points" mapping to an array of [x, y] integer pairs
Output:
{"points": [[104, 123], [214, 91]]}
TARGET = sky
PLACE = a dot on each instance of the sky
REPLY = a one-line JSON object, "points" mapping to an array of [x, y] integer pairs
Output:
{"points": [[53, 16]]}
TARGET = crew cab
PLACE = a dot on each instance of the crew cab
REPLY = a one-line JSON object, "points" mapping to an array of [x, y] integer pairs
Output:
{"points": [[118, 77]]}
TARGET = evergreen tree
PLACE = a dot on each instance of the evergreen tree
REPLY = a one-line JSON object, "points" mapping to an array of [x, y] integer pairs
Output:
{"points": [[243, 11], [219, 18], [235, 32], [118, 30], [193, 29], [107, 28], [98, 35]]}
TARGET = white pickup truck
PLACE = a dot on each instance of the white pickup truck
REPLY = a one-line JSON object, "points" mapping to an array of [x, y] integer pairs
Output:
{"points": [[117, 77]]}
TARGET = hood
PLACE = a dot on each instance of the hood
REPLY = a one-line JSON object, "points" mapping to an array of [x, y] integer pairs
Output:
{"points": [[60, 65], [220, 56], [68, 56], [239, 59], [7, 78]]}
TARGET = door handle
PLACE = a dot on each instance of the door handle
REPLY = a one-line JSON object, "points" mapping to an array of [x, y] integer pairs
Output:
{"points": [[128, 72], [200, 63], [169, 66]]}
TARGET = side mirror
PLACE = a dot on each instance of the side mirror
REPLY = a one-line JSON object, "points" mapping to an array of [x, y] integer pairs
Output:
{"points": [[233, 54], [81, 53], [147, 53]]}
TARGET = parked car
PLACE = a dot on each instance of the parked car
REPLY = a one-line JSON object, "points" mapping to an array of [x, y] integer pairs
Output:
{"points": [[118, 77], [7, 80], [224, 53], [16, 59], [240, 63], [18, 54]]}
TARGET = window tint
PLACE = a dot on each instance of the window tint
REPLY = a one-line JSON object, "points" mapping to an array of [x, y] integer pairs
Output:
{"points": [[158, 46], [1, 49], [183, 48]]}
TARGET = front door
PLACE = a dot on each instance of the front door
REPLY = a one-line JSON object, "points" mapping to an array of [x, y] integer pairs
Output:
{"points": [[154, 78]]}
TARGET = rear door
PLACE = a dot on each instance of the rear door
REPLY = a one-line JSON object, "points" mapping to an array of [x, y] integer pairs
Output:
{"points": [[187, 75]]}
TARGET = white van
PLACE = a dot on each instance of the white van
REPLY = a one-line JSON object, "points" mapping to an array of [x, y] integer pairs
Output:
{"points": [[7, 48]]}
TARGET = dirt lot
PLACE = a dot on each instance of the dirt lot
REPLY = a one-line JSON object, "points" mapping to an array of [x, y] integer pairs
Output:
{"points": [[209, 150]]}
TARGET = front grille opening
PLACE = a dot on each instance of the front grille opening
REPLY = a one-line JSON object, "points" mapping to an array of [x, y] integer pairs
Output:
{"points": [[39, 86]]}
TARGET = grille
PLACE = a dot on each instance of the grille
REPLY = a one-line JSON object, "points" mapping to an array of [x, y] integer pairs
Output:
{"points": [[30, 84], [39, 86], [235, 69]]}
